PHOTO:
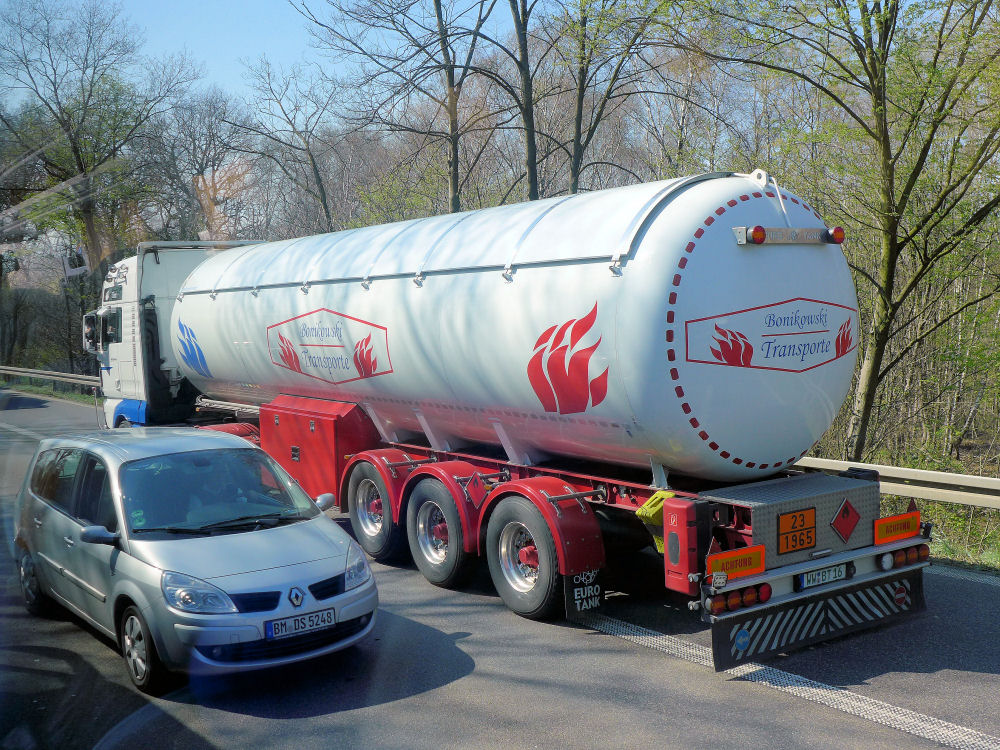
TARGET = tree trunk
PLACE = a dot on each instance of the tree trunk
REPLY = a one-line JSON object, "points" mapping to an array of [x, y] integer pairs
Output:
{"points": [[519, 10]]}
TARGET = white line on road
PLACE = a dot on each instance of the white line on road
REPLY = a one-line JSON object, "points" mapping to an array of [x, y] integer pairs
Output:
{"points": [[21, 431], [870, 709]]}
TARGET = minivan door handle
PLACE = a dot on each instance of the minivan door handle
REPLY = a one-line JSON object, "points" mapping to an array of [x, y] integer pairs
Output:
{"points": [[69, 541], [37, 522]]}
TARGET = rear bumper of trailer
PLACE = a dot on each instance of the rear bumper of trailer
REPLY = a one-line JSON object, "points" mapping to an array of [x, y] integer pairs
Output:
{"points": [[761, 632]]}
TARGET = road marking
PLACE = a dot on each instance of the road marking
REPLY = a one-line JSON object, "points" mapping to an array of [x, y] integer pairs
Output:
{"points": [[21, 431], [919, 725]]}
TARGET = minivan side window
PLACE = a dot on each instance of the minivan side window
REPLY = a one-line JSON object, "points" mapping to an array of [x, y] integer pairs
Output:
{"points": [[96, 505], [55, 480]]}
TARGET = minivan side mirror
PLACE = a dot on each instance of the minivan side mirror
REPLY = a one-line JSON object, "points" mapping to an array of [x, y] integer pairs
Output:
{"points": [[98, 535], [326, 501]]}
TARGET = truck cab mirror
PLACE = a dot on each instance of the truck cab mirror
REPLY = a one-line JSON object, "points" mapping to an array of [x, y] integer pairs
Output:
{"points": [[90, 330]]}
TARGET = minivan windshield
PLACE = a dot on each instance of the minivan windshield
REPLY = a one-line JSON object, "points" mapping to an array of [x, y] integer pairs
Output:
{"points": [[210, 491]]}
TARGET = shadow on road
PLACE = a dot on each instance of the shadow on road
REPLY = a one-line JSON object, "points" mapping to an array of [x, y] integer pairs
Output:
{"points": [[10, 401], [402, 659]]}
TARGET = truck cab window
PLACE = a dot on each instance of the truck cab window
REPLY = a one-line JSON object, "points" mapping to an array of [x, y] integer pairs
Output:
{"points": [[111, 326]]}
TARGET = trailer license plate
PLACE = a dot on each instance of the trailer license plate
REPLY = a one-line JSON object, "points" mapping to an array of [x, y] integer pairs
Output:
{"points": [[796, 531], [821, 576], [297, 624]]}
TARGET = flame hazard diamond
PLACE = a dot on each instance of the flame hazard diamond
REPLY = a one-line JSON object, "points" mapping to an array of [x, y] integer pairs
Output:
{"points": [[845, 521]]}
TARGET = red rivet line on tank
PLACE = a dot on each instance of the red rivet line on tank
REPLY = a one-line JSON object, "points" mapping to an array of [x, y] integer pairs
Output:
{"points": [[670, 335], [671, 354]]}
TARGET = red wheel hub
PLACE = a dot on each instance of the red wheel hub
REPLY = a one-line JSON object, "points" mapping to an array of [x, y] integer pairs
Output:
{"points": [[528, 556], [375, 507], [439, 531]]}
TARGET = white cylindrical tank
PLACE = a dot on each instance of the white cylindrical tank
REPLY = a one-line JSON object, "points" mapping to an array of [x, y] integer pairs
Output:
{"points": [[626, 325]]}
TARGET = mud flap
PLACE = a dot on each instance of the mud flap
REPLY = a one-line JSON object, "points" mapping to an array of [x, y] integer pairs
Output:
{"points": [[584, 592], [759, 633]]}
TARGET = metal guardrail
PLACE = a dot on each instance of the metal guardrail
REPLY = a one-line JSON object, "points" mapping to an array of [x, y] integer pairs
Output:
{"points": [[62, 377], [963, 489]]}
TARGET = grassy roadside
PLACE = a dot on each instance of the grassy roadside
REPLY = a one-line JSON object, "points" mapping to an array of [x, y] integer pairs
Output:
{"points": [[51, 391], [963, 535]]}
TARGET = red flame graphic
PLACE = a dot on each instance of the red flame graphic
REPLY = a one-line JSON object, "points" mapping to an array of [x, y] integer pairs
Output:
{"points": [[288, 355], [844, 339], [364, 358], [560, 374], [734, 348]]}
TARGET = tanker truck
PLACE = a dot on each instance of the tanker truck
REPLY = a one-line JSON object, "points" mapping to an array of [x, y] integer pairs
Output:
{"points": [[547, 385]]}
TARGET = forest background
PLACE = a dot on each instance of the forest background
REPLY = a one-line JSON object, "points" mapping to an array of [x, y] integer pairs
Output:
{"points": [[885, 115]]}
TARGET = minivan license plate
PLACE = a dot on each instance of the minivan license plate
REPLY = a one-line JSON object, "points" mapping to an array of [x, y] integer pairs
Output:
{"points": [[297, 624], [822, 576]]}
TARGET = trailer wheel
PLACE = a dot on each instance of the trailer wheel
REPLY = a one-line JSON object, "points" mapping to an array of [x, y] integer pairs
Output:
{"points": [[434, 530], [371, 514], [522, 559]]}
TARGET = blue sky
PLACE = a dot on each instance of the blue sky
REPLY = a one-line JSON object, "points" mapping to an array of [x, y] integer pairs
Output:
{"points": [[218, 33]]}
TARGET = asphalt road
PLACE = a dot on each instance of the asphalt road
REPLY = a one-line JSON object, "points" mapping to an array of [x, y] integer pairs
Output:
{"points": [[456, 669]]}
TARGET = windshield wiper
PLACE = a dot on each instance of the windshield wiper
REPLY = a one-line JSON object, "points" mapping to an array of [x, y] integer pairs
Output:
{"points": [[258, 519], [169, 530]]}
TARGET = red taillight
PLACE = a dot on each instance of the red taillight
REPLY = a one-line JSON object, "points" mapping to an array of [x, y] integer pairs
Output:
{"points": [[923, 552], [911, 556], [734, 600], [899, 558], [763, 592], [717, 604], [749, 596], [756, 235], [835, 235]]}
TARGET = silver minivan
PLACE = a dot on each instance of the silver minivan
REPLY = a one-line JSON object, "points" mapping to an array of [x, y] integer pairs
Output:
{"points": [[193, 549]]}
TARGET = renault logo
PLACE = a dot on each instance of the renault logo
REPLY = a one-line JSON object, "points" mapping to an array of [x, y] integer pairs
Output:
{"points": [[295, 596]]}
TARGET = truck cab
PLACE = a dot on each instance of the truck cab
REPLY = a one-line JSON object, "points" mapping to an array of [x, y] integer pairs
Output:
{"points": [[128, 333]]}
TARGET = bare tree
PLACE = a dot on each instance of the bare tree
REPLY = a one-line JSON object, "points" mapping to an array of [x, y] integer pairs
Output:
{"points": [[77, 69]]}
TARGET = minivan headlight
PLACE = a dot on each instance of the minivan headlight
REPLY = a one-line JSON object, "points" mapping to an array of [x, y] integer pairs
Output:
{"points": [[190, 594], [358, 571]]}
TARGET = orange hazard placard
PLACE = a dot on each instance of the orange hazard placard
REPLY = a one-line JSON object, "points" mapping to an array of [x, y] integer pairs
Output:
{"points": [[891, 528], [738, 563]]}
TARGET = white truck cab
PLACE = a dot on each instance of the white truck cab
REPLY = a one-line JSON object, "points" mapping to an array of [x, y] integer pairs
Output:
{"points": [[128, 333]]}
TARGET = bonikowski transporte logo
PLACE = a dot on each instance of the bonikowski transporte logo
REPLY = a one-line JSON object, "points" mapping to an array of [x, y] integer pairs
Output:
{"points": [[191, 353], [559, 370]]}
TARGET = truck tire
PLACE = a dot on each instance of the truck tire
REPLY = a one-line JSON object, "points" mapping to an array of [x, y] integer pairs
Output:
{"points": [[371, 514], [434, 530], [144, 667], [522, 559]]}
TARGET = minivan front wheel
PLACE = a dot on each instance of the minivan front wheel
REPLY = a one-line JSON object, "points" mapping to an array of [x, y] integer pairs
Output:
{"points": [[139, 652]]}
